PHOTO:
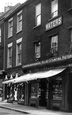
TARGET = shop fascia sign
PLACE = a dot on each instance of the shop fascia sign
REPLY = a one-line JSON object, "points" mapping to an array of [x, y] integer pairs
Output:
{"points": [[54, 23], [50, 61]]}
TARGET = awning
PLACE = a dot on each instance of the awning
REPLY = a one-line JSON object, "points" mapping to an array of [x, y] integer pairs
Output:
{"points": [[34, 76], [39, 75], [49, 73], [8, 81], [27, 77]]}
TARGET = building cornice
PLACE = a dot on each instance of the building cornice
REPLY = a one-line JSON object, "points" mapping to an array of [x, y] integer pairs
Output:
{"points": [[49, 61]]}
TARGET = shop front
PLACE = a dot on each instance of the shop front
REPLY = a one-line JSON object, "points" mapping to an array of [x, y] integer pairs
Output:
{"points": [[21, 93], [46, 93], [48, 89], [9, 92]]}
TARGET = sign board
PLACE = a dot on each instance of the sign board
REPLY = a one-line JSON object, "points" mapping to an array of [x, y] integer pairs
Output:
{"points": [[54, 23]]}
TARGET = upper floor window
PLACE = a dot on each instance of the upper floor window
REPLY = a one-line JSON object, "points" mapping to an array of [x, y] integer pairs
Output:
{"points": [[0, 36], [54, 44], [19, 21], [18, 51], [54, 8], [10, 27], [9, 55], [37, 50], [38, 14]]}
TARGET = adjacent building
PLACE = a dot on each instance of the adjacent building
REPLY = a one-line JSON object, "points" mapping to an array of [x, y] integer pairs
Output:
{"points": [[38, 54]]}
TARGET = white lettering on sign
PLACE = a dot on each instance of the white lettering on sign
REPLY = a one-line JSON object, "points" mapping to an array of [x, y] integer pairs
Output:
{"points": [[54, 23]]}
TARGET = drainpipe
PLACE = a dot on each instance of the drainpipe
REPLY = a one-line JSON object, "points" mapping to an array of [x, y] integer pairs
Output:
{"points": [[4, 50], [4, 63]]}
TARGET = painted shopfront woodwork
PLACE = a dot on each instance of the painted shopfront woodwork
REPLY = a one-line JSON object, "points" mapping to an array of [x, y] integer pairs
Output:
{"points": [[46, 92], [33, 93], [10, 92], [43, 92], [57, 91], [21, 93]]}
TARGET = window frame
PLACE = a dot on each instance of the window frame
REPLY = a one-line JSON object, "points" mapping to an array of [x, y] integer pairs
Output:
{"points": [[19, 21], [54, 13], [9, 55], [37, 53], [10, 27], [18, 54], [38, 14], [54, 49]]}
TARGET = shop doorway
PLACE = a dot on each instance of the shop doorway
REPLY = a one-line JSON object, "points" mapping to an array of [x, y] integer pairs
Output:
{"points": [[42, 90]]}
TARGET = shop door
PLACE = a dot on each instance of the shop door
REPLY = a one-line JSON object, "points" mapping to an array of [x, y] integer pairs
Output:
{"points": [[42, 97]]}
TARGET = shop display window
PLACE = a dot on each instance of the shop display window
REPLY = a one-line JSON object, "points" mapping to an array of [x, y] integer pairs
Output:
{"points": [[15, 93], [21, 92], [10, 92], [57, 88], [34, 90]]}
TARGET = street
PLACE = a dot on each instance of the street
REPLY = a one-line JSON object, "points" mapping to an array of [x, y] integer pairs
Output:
{"points": [[9, 112]]}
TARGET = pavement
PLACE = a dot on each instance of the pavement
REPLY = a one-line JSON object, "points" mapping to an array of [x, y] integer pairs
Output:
{"points": [[30, 110]]}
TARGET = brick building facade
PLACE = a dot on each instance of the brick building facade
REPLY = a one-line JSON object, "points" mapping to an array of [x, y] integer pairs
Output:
{"points": [[38, 54]]}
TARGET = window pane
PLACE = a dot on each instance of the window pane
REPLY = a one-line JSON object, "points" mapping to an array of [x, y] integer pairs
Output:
{"points": [[20, 25], [39, 20], [10, 52], [9, 56], [54, 43], [20, 17], [38, 14], [10, 28], [19, 22], [37, 50], [38, 9], [19, 49], [54, 8], [10, 61], [19, 58]]}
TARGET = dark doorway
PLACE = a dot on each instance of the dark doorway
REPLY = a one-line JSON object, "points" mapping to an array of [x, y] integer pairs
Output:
{"points": [[42, 97]]}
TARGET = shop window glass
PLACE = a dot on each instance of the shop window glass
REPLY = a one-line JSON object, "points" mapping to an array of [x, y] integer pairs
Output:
{"points": [[10, 92], [33, 90], [15, 94], [21, 92], [57, 88]]}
